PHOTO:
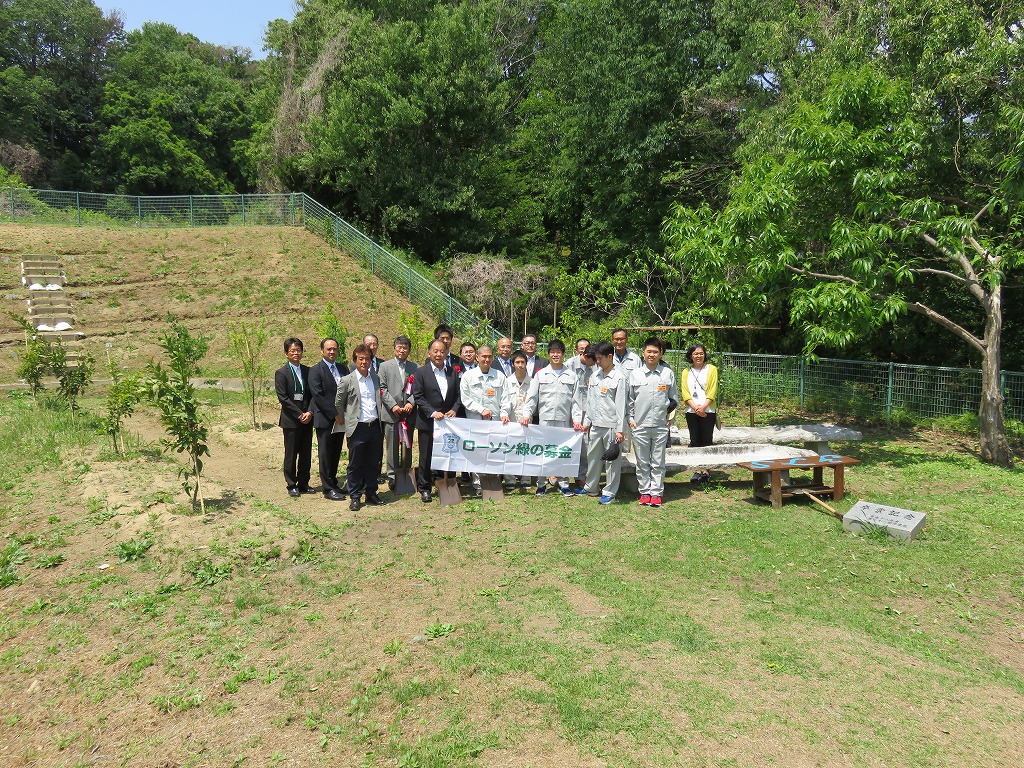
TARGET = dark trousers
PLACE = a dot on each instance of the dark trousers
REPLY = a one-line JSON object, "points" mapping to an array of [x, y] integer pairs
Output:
{"points": [[328, 451], [365, 451], [298, 454], [424, 474], [702, 429]]}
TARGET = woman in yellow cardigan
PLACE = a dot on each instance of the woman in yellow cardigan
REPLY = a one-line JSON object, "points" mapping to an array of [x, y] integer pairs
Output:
{"points": [[701, 393]]}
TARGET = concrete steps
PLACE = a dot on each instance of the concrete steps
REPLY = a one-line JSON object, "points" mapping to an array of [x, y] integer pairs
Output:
{"points": [[49, 307]]}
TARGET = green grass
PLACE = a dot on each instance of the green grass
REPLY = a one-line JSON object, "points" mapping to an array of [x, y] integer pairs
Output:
{"points": [[713, 631]]}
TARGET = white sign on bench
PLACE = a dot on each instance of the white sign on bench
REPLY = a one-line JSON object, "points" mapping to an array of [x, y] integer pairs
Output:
{"points": [[902, 524]]}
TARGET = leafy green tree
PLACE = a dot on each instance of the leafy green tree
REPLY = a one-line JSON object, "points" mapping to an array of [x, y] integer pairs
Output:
{"points": [[895, 160], [248, 342], [53, 55], [173, 110], [398, 114], [72, 380], [329, 324], [34, 363], [612, 89], [181, 411], [127, 390]]}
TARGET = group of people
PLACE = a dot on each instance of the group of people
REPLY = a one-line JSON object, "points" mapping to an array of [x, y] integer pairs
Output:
{"points": [[618, 398]]}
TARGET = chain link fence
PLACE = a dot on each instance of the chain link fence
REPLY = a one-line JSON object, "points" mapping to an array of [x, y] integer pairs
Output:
{"points": [[388, 267], [47, 206], [44, 206], [854, 387], [847, 387]]}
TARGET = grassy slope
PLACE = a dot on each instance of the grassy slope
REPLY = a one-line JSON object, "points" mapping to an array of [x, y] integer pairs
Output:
{"points": [[535, 632], [123, 282]]}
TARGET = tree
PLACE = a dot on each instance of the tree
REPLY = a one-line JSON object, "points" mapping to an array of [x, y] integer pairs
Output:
{"points": [[398, 115], [894, 160], [181, 414], [248, 341], [174, 109], [53, 57], [611, 91], [127, 390]]}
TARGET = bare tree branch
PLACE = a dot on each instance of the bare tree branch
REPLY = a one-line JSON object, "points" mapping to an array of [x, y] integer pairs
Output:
{"points": [[822, 276], [941, 273], [921, 309]]}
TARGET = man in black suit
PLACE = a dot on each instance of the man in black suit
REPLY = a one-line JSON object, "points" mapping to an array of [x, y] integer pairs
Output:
{"points": [[359, 407], [436, 393], [291, 381], [445, 333], [323, 384], [533, 362], [371, 341]]}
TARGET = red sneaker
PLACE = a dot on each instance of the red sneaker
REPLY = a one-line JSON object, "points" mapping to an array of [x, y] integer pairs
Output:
{"points": [[645, 499], [655, 501]]}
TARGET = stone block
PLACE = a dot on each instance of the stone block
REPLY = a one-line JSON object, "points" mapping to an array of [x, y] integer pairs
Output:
{"points": [[902, 524]]}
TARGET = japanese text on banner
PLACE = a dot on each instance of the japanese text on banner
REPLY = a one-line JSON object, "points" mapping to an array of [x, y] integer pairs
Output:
{"points": [[493, 448]]}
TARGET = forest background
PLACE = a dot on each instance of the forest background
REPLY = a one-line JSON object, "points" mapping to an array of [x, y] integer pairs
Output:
{"points": [[609, 162]]}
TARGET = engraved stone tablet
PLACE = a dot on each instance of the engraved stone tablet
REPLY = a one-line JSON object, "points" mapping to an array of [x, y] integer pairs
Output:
{"points": [[902, 524]]}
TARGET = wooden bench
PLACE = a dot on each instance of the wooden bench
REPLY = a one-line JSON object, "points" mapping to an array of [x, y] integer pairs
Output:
{"points": [[768, 477]]}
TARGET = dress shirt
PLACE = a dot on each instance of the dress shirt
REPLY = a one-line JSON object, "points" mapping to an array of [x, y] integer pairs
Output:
{"points": [[300, 385], [442, 380], [334, 371], [367, 399]]}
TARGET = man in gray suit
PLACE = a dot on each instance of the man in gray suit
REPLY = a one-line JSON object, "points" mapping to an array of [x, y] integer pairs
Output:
{"points": [[396, 392], [359, 408]]}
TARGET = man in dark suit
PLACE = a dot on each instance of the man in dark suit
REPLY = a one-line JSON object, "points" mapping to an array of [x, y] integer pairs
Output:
{"points": [[396, 391], [323, 384], [533, 362], [291, 381], [359, 407], [445, 333], [371, 341], [436, 393]]}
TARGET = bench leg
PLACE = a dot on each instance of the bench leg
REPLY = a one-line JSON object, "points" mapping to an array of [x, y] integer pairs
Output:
{"points": [[838, 485], [776, 489]]}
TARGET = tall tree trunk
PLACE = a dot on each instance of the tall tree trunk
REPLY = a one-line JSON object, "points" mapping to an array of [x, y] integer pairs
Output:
{"points": [[995, 449]]}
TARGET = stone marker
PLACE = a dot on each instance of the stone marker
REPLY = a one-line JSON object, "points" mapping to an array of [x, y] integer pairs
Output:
{"points": [[902, 524]]}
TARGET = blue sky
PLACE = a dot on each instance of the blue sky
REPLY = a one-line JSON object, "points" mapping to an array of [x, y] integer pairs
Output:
{"points": [[224, 22]]}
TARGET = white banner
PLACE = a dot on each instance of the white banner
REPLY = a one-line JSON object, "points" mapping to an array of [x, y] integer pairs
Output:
{"points": [[493, 448]]}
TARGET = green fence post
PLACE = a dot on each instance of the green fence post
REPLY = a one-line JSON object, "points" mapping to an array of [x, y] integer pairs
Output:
{"points": [[78, 206], [12, 203], [802, 383], [243, 209], [293, 209], [888, 394], [138, 207], [191, 212], [410, 283]]}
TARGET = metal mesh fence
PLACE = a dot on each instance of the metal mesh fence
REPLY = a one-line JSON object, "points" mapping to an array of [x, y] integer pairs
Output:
{"points": [[83, 208], [856, 388], [845, 387], [385, 265]]}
